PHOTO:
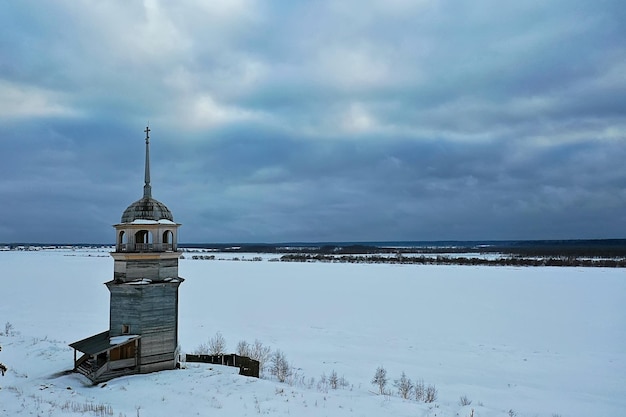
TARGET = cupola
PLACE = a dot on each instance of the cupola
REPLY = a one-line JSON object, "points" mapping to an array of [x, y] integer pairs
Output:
{"points": [[147, 225]]}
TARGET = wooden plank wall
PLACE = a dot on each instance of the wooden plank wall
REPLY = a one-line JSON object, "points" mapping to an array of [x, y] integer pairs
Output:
{"points": [[151, 310], [246, 365], [125, 309], [154, 269]]}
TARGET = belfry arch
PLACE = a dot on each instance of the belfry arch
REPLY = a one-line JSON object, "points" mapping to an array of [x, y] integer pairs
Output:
{"points": [[143, 236], [122, 240], [168, 240]]}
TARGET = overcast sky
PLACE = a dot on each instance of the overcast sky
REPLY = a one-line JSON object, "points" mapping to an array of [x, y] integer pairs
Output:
{"points": [[351, 120]]}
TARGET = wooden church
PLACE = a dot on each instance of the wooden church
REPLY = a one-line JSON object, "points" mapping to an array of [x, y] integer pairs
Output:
{"points": [[143, 319]]}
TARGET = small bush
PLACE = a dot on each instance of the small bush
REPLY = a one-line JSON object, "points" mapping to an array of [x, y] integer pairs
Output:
{"points": [[8, 329], [243, 349], [343, 382], [419, 390], [279, 366], [463, 401], [431, 394], [322, 384], [380, 379], [404, 386], [217, 344], [214, 346], [202, 349], [333, 380], [261, 353]]}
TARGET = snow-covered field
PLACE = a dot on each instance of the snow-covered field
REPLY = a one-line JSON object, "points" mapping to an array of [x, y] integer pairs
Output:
{"points": [[516, 341]]}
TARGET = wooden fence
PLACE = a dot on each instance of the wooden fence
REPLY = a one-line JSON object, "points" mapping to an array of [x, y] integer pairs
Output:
{"points": [[247, 366]]}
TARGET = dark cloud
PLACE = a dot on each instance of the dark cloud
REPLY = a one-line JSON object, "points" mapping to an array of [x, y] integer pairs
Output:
{"points": [[315, 121]]}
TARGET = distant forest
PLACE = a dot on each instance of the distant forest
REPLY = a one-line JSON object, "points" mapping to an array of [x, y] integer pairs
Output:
{"points": [[606, 248], [448, 260], [586, 253]]}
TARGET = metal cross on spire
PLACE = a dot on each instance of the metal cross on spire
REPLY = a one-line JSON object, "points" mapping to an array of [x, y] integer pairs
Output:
{"points": [[147, 188]]}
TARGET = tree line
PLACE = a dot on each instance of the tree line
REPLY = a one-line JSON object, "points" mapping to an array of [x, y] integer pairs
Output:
{"points": [[572, 261]]}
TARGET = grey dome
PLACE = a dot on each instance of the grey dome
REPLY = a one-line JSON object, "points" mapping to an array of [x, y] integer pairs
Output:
{"points": [[147, 209]]}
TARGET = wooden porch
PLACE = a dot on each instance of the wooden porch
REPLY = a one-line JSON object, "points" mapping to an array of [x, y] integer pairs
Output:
{"points": [[105, 357]]}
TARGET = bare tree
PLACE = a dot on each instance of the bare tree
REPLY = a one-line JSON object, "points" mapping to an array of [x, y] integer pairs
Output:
{"points": [[256, 351], [380, 379], [202, 349], [243, 348], [404, 386], [217, 344], [261, 353], [279, 366], [214, 346]]}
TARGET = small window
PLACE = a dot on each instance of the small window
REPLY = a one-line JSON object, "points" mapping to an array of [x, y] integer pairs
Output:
{"points": [[125, 329]]}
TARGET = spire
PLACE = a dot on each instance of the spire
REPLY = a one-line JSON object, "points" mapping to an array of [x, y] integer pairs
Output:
{"points": [[147, 189]]}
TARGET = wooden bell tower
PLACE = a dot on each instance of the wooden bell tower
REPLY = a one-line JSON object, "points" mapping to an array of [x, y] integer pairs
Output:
{"points": [[143, 315]]}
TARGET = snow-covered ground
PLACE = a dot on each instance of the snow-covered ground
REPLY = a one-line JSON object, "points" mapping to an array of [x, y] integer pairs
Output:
{"points": [[516, 341]]}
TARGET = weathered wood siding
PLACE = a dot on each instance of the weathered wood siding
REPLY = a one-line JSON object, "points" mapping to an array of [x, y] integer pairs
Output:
{"points": [[154, 269], [159, 366], [246, 365], [150, 310], [123, 363], [125, 308]]}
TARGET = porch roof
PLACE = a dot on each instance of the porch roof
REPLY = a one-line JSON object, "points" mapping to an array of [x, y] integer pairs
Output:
{"points": [[101, 342]]}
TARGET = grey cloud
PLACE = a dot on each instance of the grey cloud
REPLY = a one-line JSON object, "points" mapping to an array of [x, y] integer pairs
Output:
{"points": [[316, 121]]}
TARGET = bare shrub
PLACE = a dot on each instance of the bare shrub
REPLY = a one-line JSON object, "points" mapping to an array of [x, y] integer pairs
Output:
{"points": [[86, 407], [217, 344], [463, 401], [214, 346], [279, 366], [404, 386], [243, 349], [343, 382], [431, 394], [256, 351], [333, 380], [322, 384], [8, 329], [261, 353], [296, 379], [419, 390], [380, 379], [202, 349]]}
